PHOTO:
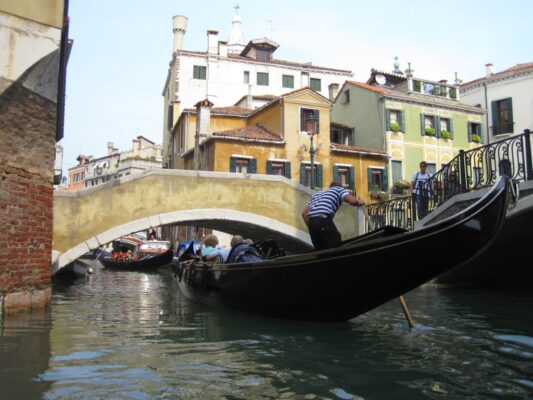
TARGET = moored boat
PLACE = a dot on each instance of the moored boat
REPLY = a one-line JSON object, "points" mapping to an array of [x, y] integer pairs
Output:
{"points": [[340, 283]]}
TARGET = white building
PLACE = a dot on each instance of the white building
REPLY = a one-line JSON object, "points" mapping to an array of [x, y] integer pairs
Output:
{"points": [[227, 71], [508, 98]]}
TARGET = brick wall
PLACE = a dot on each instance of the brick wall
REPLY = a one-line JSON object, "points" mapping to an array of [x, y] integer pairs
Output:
{"points": [[27, 151]]}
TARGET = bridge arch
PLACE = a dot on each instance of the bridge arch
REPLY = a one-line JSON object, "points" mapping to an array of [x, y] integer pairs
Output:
{"points": [[258, 206]]}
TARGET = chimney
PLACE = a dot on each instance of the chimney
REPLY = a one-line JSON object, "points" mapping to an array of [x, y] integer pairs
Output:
{"points": [[179, 27], [212, 42], [109, 148], [223, 49], [333, 91], [488, 70], [203, 122]]}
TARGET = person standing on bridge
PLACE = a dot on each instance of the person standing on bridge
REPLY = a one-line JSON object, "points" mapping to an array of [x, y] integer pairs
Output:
{"points": [[319, 212]]}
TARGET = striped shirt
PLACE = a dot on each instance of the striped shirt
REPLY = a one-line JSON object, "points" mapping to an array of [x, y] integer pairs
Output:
{"points": [[326, 202]]}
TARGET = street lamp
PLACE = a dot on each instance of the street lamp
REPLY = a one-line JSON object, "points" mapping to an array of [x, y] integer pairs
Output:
{"points": [[310, 126]]}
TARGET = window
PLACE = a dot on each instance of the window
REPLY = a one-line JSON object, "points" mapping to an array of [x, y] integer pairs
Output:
{"points": [[316, 84], [397, 174], [246, 77], [502, 116], [377, 179], [428, 124], [346, 96], [344, 175], [474, 128], [394, 120], [445, 124], [282, 168], [342, 136], [305, 175], [262, 54], [199, 72], [288, 81], [244, 165], [262, 78], [306, 113], [431, 168]]}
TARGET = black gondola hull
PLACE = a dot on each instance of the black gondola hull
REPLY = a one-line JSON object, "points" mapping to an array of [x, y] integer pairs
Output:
{"points": [[341, 283], [144, 264]]}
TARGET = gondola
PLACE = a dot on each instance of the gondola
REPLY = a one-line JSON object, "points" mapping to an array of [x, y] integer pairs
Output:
{"points": [[360, 274], [146, 263]]}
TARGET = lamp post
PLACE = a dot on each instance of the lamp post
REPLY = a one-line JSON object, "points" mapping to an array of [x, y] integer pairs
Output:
{"points": [[310, 125]]}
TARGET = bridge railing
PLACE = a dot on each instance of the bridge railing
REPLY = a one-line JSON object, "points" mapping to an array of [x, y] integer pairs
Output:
{"points": [[468, 171]]}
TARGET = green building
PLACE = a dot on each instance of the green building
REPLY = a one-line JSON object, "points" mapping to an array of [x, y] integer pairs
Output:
{"points": [[411, 119]]}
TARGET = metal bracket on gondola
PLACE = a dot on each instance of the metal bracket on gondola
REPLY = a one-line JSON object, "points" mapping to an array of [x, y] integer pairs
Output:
{"points": [[515, 194]]}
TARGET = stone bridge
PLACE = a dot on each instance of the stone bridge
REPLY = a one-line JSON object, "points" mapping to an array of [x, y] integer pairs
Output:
{"points": [[256, 206]]}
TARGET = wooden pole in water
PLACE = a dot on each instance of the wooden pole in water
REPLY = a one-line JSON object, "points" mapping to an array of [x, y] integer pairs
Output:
{"points": [[406, 312]]}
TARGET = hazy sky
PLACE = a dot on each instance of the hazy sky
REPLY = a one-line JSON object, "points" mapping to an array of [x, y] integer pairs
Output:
{"points": [[122, 49]]}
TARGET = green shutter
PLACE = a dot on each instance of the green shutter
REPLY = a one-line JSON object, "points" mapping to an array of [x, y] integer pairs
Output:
{"points": [[385, 181], [269, 167], [288, 169], [336, 174], [253, 166], [510, 113], [233, 164], [317, 116], [387, 119], [451, 128], [302, 174], [369, 178], [436, 125], [402, 121], [469, 125], [422, 127], [302, 121], [495, 120], [170, 117], [319, 181], [351, 182]]}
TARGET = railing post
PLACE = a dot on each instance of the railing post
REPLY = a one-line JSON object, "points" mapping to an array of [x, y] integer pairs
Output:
{"points": [[529, 162], [462, 171]]}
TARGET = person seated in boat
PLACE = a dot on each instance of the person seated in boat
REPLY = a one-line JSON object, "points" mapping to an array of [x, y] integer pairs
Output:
{"points": [[209, 245], [242, 251], [319, 212]]}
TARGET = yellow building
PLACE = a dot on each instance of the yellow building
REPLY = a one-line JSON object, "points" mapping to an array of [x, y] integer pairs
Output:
{"points": [[273, 139]]}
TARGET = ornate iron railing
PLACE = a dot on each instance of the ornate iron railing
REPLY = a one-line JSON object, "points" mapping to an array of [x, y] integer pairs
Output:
{"points": [[468, 171]]}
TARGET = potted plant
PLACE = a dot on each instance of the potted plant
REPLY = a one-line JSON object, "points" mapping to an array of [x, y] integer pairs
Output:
{"points": [[401, 187], [445, 134], [395, 127], [429, 131], [476, 138]]}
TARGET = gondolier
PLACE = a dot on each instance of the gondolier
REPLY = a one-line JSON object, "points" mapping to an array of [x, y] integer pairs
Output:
{"points": [[319, 212]]}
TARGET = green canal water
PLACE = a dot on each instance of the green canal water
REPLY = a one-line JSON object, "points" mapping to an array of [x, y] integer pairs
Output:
{"points": [[128, 335]]}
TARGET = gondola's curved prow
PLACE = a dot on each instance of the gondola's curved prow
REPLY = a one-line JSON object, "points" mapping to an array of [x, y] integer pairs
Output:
{"points": [[340, 283]]}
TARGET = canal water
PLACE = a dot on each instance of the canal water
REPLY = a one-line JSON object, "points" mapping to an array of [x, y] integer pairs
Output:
{"points": [[130, 335]]}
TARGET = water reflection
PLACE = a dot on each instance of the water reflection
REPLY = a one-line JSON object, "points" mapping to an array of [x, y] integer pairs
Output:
{"points": [[130, 335]]}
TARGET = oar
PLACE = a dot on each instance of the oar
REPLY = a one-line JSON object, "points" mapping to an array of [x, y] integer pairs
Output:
{"points": [[406, 312]]}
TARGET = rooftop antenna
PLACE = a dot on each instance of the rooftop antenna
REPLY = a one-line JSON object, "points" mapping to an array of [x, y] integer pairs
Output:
{"points": [[237, 8]]}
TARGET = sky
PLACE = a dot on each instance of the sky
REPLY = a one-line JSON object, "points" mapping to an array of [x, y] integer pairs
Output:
{"points": [[121, 50]]}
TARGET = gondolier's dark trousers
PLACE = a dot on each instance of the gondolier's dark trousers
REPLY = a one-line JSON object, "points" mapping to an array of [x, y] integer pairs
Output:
{"points": [[324, 233]]}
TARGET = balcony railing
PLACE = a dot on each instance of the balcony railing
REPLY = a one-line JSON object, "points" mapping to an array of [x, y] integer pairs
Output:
{"points": [[468, 171]]}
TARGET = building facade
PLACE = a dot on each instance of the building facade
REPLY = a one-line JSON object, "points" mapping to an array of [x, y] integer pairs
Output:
{"points": [[225, 72], [507, 96], [33, 39], [409, 119]]}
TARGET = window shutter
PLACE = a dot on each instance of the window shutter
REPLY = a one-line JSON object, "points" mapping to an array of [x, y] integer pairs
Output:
{"points": [[385, 181], [253, 166], [495, 122], [336, 174], [510, 129], [436, 125], [422, 125], [170, 116], [232, 164], [469, 124], [269, 167], [288, 169], [402, 121], [302, 174], [352, 179], [369, 178], [302, 120], [387, 119], [451, 128], [319, 176]]}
